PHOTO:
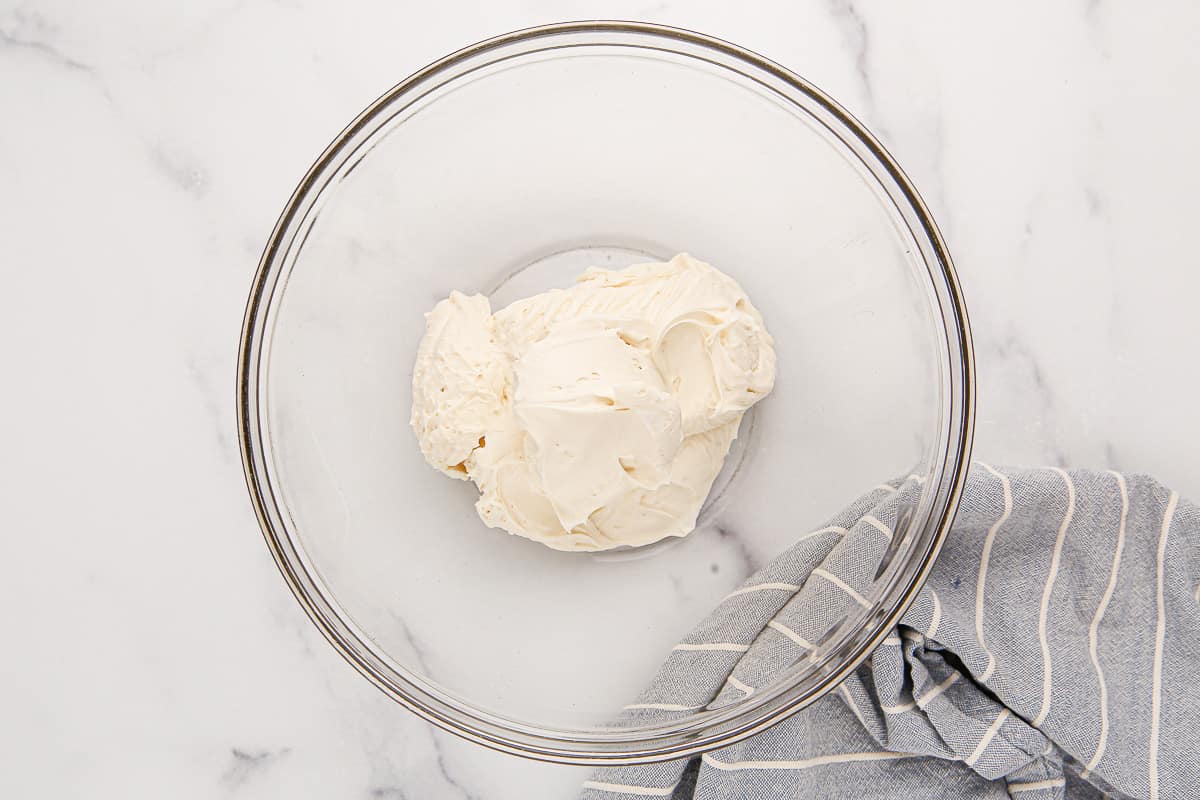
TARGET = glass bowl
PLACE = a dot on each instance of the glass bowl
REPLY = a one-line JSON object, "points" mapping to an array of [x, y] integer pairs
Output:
{"points": [[506, 169]]}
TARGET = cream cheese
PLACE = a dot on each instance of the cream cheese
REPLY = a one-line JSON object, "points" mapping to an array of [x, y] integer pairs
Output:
{"points": [[595, 416]]}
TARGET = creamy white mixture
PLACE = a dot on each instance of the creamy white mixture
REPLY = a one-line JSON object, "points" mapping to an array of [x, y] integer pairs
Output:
{"points": [[594, 416]]}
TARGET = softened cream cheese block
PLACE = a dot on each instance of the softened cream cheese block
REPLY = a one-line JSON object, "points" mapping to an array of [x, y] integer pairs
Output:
{"points": [[595, 416]]}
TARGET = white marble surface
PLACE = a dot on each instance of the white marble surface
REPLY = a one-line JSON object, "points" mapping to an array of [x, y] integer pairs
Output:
{"points": [[145, 150]]}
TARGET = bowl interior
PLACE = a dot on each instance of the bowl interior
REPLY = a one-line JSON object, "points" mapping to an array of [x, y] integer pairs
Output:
{"points": [[507, 179]]}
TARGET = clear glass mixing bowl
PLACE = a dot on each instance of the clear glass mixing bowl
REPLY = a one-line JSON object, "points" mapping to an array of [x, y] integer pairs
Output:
{"points": [[506, 169]]}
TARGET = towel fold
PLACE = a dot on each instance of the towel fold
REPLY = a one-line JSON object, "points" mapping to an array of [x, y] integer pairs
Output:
{"points": [[1054, 652]]}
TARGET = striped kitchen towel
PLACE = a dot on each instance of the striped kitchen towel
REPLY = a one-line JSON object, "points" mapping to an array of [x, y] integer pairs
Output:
{"points": [[1054, 652]]}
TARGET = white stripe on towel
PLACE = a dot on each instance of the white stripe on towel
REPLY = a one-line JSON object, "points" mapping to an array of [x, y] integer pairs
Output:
{"points": [[731, 647], [838, 529], [853, 705], [1159, 633], [791, 634], [1033, 786], [928, 697], [875, 523], [1043, 615], [625, 788], [988, 736], [758, 587], [1094, 629], [983, 567], [845, 587], [900, 709], [807, 763]]}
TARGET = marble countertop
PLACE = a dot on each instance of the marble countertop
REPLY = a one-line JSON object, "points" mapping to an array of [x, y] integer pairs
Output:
{"points": [[145, 152]]}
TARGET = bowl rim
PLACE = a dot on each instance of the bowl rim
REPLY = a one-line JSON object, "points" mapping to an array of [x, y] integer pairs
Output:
{"points": [[617, 747]]}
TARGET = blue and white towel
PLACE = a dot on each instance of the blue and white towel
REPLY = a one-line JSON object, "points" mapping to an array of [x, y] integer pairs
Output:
{"points": [[1054, 652]]}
